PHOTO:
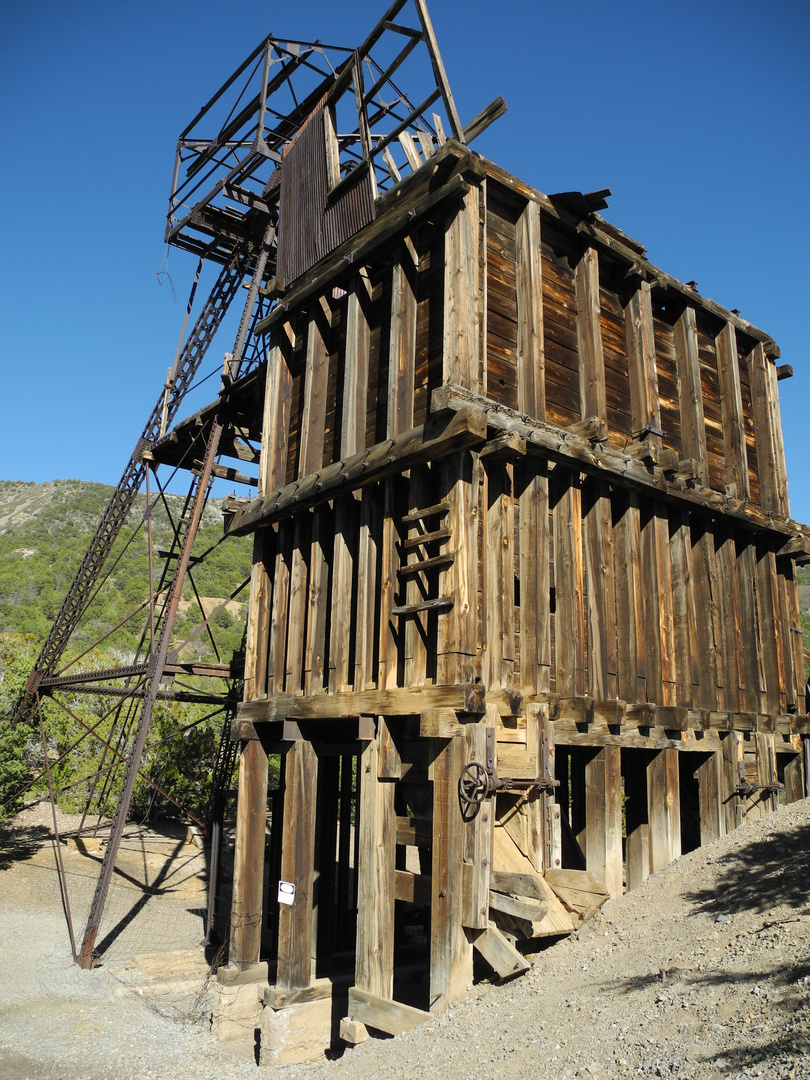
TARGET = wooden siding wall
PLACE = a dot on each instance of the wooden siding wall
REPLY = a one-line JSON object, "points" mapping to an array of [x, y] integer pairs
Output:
{"points": [[518, 571]]}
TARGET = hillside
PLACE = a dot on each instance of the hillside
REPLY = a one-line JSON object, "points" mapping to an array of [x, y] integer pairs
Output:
{"points": [[45, 530]]}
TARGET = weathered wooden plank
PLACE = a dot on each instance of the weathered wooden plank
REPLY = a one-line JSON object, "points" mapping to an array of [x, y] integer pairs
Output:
{"points": [[461, 295], [383, 1014], [597, 529], [656, 591], [732, 758], [728, 374], [248, 871], [752, 699], [731, 642], [499, 578], [477, 842], [531, 482], [317, 601], [631, 639], [637, 846], [530, 354], [589, 337], [663, 809], [794, 779], [684, 615], [644, 404], [364, 666], [450, 950], [770, 642], [569, 619], [388, 585], [417, 587], [603, 818], [706, 614], [499, 952], [693, 424], [457, 636], [710, 786], [295, 921], [374, 962], [296, 623]]}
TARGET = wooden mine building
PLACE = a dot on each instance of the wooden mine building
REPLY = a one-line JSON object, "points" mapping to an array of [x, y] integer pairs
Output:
{"points": [[524, 620]]}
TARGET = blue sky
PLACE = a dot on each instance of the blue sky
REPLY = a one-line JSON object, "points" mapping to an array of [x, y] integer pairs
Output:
{"points": [[694, 114]]}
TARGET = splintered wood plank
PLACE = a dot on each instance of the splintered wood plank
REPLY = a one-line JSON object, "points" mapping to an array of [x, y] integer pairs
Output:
{"points": [[601, 597], [663, 808], [603, 818], [529, 283], [477, 841], [645, 414], [295, 921], [569, 619], [507, 858], [248, 870], [732, 757], [461, 292], [693, 423], [631, 639], [531, 483], [728, 373], [381, 1013], [374, 964], [499, 654], [710, 789], [450, 950], [752, 681]]}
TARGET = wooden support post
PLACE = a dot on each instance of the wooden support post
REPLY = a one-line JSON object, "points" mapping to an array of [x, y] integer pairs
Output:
{"points": [[768, 433], [477, 841], [450, 950], [631, 637], [663, 808], [710, 795], [752, 681], [732, 757], [499, 576], [657, 605], [731, 643], [531, 482], [295, 921], [770, 639], [703, 571], [794, 779], [317, 600], [529, 284], [367, 585], [374, 965], [569, 620], [728, 374], [277, 649], [457, 643], [645, 418], [766, 769], [684, 614], [637, 851], [693, 423], [462, 297], [248, 871], [601, 598], [603, 818], [589, 337]]}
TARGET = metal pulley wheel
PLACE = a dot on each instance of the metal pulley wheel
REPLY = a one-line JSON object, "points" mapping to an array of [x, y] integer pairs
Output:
{"points": [[474, 784]]}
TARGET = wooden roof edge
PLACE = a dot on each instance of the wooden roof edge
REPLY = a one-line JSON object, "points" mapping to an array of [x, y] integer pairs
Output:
{"points": [[602, 234]]}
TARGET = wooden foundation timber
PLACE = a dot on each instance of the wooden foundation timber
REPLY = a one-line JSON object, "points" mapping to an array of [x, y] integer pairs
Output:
{"points": [[524, 620]]}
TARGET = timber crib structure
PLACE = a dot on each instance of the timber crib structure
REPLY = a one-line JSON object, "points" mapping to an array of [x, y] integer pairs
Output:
{"points": [[523, 620]]}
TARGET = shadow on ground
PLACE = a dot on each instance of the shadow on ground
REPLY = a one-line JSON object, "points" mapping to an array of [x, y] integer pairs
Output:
{"points": [[21, 842]]}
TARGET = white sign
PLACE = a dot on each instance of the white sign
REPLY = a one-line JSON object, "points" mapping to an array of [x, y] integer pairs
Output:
{"points": [[286, 892]]}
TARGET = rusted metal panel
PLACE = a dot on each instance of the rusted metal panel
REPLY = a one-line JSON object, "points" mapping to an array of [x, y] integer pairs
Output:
{"points": [[310, 223]]}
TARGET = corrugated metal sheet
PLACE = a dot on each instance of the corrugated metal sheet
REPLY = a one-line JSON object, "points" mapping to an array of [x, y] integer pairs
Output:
{"points": [[311, 225]]}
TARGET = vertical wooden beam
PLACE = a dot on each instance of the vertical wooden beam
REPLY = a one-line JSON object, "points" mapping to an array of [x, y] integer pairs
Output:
{"points": [[601, 597], [645, 411], [462, 295], [732, 757], [450, 950], [499, 528], [704, 586], [794, 779], [530, 348], [296, 622], [457, 639], [637, 850], [728, 373], [770, 638], [693, 423], [768, 433], [374, 964], [417, 586], [766, 768], [731, 642], [684, 614], [631, 635], [569, 620], [589, 337], [277, 650], [295, 938], [603, 817], [477, 840], [657, 605], [317, 600], [402, 344], [531, 481], [367, 587], [664, 808], [390, 630], [248, 870], [710, 797], [751, 659]]}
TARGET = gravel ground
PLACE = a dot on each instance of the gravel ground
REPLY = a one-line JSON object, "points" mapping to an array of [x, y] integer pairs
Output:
{"points": [[703, 972]]}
